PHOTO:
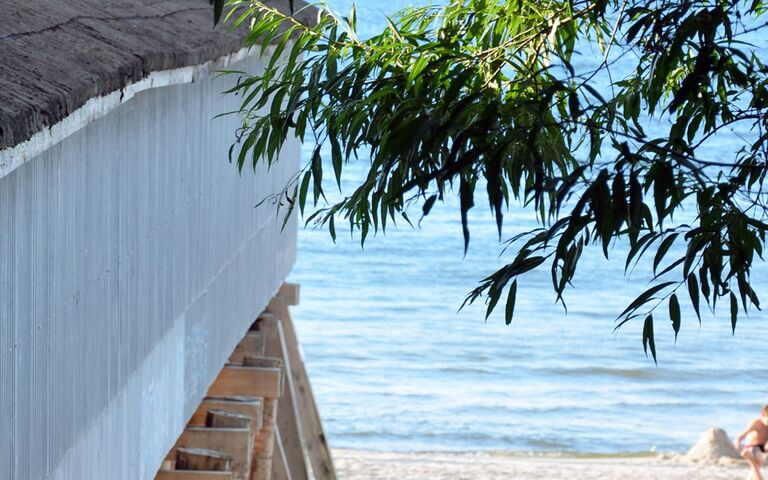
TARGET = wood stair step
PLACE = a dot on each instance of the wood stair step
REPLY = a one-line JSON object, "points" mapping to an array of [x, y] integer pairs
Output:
{"points": [[237, 380], [250, 406], [236, 443], [191, 458]]}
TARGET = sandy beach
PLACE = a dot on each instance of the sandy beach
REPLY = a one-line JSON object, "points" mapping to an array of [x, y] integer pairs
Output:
{"points": [[366, 465]]}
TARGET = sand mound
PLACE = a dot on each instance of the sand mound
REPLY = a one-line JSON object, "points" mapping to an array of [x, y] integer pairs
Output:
{"points": [[713, 446]]}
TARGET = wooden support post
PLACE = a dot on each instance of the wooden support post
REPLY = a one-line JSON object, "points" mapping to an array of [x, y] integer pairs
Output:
{"points": [[236, 443], [264, 443], [250, 406], [305, 409]]}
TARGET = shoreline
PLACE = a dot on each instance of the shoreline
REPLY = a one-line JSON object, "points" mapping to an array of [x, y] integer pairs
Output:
{"points": [[520, 453], [496, 465]]}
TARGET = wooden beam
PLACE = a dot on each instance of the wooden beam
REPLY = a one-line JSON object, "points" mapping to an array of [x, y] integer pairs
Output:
{"points": [[192, 475], [280, 468], [237, 443], [235, 380], [252, 345], [289, 292], [250, 406], [308, 417]]}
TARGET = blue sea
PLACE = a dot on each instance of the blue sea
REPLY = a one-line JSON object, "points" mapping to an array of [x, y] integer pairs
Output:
{"points": [[394, 366]]}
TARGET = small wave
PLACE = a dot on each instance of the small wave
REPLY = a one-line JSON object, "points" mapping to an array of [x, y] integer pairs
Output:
{"points": [[572, 454], [468, 370], [408, 395], [603, 372]]}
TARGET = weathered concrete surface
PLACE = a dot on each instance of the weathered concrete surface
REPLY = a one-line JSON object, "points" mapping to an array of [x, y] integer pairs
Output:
{"points": [[132, 261], [55, 55]]}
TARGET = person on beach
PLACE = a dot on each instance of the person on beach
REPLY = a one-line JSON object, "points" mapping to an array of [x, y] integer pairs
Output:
{"points": [[756, 435]]}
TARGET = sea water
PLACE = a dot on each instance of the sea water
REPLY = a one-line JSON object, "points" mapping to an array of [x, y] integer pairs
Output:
{"points": [[395, 367]]}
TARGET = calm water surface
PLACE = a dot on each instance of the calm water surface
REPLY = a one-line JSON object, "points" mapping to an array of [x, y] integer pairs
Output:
{"points": [[394, 367]]}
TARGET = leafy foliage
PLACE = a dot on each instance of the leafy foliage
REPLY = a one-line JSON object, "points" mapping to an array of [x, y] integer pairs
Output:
{"points": [[481, 94]]}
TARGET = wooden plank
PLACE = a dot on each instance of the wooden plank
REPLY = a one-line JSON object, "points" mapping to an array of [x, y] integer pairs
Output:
{"points": [[313, 435], [224, 419], [252, 345], [236, 380], [235, 442], [197, 457], [250, 406], [289, 292], [268, 362], [192, 475], [280, 467]]}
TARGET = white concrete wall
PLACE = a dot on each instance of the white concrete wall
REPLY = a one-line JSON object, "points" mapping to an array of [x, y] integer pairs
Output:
{"points": [[132, 261]]}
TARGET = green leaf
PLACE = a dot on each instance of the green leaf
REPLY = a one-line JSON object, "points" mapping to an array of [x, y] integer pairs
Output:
{"points": [[635, 200], [291, 206], [417, 68], [427, 207], [493, 299], [648, 238], [303, 191], [352, 16], [332, 228], [674, 314], [336, 158], [660, 189], [693, 292], [734, 312], [663, 248], [645, 297], [466, 198], [511, 298], [317, 174], [648, 337]]}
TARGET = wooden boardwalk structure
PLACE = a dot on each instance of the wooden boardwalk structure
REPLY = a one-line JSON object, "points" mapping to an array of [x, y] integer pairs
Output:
{"points": [[259, 420]]}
